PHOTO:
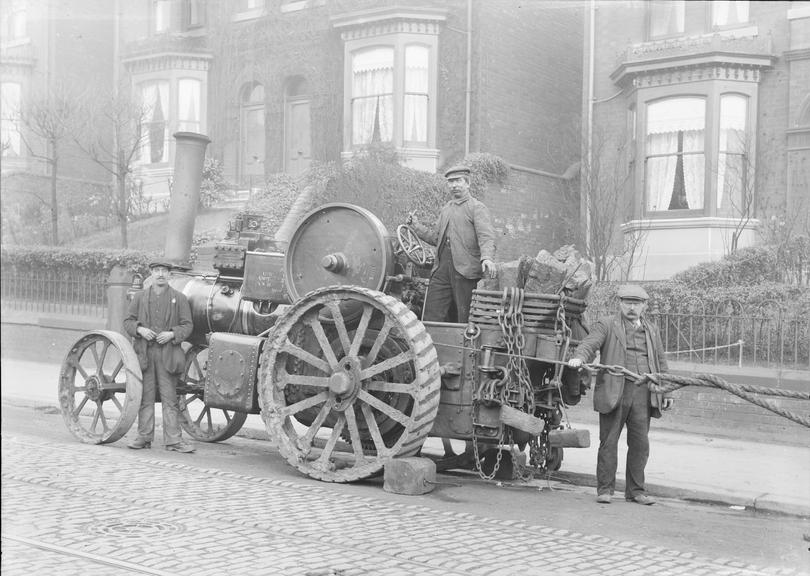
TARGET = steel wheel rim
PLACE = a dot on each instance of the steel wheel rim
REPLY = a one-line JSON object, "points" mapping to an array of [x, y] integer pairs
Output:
{"points": [[199, 420], [348, 389], [100, 387]]}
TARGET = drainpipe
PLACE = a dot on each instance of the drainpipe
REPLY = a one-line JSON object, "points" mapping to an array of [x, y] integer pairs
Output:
{"points": [[589, 138], [469, 81]]}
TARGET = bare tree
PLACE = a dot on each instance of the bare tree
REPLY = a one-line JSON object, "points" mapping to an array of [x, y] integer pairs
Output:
{"points": [[112, 138], [604, 204], [49, 118]]}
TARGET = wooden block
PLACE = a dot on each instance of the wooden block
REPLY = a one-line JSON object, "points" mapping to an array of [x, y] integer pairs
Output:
{"points": [[412, 476], [570, 438], [522, 421]]}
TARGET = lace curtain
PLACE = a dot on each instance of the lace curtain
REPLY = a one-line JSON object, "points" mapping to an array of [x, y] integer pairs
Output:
{"points": [[372, 96]]}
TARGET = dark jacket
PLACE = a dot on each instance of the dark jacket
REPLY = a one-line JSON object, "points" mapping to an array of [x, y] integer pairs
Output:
{"points": [[179, 321], [468, 226], [608, 337]]}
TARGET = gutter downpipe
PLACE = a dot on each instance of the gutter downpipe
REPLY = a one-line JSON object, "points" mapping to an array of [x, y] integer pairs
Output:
{"points": [[467, 102], [589, 141]]}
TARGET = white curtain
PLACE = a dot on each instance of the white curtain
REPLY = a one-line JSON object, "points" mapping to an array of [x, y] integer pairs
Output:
{"points": [[372, 95], [416, 94], [694, 162], [661, 169], [731, 159], [725, 12], [188, 96], [667, 17]]}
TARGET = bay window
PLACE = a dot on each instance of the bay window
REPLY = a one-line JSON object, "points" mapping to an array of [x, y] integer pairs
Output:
{"points": [[390, 80], [696, 160], [729, 13]]}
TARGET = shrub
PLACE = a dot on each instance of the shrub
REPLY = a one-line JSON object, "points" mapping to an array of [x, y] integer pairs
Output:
{"points": [[89, 261]]}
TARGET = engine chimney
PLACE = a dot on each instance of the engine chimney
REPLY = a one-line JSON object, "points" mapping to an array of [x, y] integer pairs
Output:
{"points": [[188, 167]]}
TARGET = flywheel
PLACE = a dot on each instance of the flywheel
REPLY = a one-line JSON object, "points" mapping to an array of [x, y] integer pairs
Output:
{"points": [[349, 380]]}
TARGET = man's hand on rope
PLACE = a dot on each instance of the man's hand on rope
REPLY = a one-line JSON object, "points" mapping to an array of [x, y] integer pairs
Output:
{"points": [[575, 363]]}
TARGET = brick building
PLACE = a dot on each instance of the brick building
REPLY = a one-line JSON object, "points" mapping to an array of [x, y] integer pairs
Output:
{"points": [[703, 109], [280, 84]]}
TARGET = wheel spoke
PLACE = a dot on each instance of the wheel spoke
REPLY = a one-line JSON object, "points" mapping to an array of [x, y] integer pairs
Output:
{"points": [[102, 417], [117, 403], [198, 373], [80, 407], [354, 434], [360, 333], [389, 411], [116, 370], [380, 340], [302, 405], [307, 438], [301, 380], [396, 387], [307, 357], [202, 415], [94, 352], [323, 461], [104, 348], [95, 418], [208, 418], [78, 367], [317, 329], [386, 364], [340, 324], [373, 429]]}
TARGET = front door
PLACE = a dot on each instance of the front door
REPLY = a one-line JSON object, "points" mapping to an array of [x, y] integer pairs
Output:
{"points": [[298, 143]]}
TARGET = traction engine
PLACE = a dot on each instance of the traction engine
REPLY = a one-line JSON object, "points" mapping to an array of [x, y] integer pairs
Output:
{"points": [[325, 341]]}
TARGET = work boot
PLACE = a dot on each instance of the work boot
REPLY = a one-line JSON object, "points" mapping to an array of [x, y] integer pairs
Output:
{"points": [[641, 499], [603, 498], [181, 446], [139, 443]]}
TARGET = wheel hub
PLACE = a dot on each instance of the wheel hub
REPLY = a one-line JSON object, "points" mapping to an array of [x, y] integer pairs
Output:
{"points": [[93, 388], [344, 383]]}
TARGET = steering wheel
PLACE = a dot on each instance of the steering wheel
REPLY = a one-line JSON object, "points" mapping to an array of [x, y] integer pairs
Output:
{"points": [[410, 243]]}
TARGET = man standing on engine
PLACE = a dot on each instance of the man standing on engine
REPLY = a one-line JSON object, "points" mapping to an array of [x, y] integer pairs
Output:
{"points": [[627, 339], [159, 320], [465, 242]]}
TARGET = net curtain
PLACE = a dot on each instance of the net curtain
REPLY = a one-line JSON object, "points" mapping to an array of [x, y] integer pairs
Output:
{"points": [[675, 127], [188, 96], [731, 163], [372, 95], [416, 94]]}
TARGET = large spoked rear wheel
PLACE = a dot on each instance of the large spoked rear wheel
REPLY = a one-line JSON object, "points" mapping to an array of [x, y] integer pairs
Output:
{"points": [[200, 421], [349, 380], [100, 387]]}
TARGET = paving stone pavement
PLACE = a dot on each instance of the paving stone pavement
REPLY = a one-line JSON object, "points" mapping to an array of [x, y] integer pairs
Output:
{"points": [[83, 510]]}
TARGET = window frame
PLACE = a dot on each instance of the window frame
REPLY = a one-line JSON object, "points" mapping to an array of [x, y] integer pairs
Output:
{"points": [[398, 41], [712, 91]]}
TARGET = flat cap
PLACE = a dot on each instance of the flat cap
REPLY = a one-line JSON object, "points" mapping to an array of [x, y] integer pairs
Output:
{"points": [[161, 262], [632, 292], [458, 170]]}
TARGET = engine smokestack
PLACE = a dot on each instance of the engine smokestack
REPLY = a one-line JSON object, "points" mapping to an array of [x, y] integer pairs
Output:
{"points": [[185, 198]]}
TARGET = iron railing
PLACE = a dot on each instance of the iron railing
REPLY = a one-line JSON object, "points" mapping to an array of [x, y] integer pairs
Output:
{"points": [[764, 337], [51, 291]]}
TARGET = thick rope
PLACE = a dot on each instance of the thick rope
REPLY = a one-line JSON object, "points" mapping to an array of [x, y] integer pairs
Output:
{"points": [[661, 383]]}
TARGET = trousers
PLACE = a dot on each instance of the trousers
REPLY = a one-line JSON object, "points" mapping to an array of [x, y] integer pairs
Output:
{"points": [[156, 377], [449, 294], [633, 412]]}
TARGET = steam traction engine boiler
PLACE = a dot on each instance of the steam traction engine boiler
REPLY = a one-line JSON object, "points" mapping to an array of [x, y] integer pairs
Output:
{"points": [[325, 342]]}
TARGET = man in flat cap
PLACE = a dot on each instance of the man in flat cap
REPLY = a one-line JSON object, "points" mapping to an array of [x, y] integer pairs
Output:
{"points": [[159, 320], [627, 339], [465, 242]]}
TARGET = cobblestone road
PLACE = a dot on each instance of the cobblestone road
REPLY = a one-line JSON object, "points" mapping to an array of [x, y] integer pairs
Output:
{"points": [[85, 510]]}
